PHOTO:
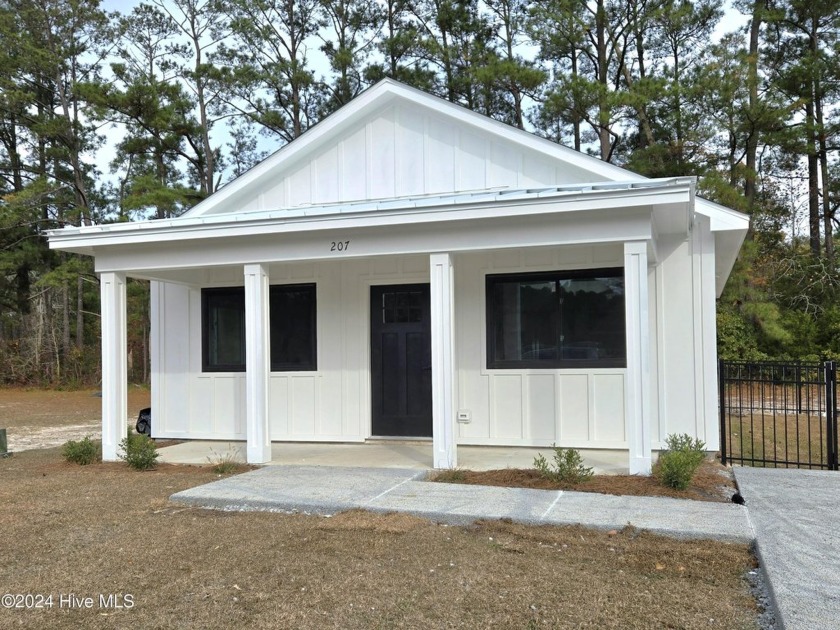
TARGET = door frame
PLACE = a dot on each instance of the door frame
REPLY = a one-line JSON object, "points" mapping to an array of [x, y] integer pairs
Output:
{"points": [[366, 285]]}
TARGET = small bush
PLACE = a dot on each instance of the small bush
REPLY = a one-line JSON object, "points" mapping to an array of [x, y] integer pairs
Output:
{"points": [[686, 443], [83, 452], [568, 466], [679, 462], [225, 464], [139, 451]]}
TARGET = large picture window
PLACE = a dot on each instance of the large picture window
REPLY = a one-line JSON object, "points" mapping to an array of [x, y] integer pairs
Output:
{"points": [[558, 319], [291, 321]]}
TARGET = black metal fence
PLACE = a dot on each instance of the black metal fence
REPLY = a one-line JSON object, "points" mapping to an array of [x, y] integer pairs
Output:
{"points": [[779, 414]]}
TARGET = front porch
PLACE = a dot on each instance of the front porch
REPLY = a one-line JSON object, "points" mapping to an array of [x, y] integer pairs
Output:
{"points": [[516, 402], [414, 455]]}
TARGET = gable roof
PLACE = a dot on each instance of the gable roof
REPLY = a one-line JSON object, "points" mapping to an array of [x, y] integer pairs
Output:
{"points": [[239, 195], [464, 156], [234, 197]]}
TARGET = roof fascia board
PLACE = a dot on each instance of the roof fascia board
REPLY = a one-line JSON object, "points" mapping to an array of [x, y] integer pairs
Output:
{"points": [[591, 201]]}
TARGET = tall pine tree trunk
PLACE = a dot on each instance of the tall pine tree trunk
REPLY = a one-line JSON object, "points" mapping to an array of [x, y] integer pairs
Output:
{"points": [[752, 85], [576, 121], [603, 106], [65, 319], [813, 179], [80, 305], [827, 213]]}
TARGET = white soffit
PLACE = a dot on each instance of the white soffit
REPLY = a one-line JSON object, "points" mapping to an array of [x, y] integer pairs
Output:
{"points": [[729, 229], [722, 218]]}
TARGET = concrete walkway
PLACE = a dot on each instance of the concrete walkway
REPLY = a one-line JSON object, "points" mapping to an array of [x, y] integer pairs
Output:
{"points": [[791, 514], [795, 514], [326, 490]]}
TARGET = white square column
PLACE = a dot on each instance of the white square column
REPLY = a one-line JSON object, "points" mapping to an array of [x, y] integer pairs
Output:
{"points": [[114, 364], [443, 361], [257, 344], [637, 385]]}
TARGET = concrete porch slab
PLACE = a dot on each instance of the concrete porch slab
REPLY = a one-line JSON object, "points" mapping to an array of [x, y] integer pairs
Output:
{"points": [[410, 455]]}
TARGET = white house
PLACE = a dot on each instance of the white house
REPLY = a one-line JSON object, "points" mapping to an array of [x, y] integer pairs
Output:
{"points": [[411, 268]]}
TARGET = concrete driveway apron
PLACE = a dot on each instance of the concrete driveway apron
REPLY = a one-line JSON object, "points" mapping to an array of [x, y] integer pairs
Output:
{"points": [[796, 517]]}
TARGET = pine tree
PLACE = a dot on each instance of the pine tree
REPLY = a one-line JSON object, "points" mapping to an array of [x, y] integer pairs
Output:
{"points": [[265, 73], [348, 40]]}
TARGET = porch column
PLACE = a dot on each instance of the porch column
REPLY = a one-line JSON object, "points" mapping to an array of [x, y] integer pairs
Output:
{"points": [[114, 364], [637, 385], [258, 447], [443, 361]]}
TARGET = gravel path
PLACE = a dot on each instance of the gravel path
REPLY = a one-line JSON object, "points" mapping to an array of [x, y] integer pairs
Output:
{"points": [[26, 438]]}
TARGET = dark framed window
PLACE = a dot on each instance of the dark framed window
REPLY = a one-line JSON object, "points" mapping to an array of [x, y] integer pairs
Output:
{"points": [[223, 330], [557, 319], [292, 322]]}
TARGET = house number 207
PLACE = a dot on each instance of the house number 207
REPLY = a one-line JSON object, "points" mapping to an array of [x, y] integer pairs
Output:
{"points": [[339, 246]]}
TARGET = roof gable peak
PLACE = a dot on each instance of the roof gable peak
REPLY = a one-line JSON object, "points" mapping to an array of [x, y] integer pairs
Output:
{"points": [[388, 139]]}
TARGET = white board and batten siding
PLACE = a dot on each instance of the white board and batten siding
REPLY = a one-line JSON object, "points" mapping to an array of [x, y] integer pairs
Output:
{"points": [[686, 339], [402, 150], [405, 151], [333, 403], [330, 404], [585, 408], [582, 408]]}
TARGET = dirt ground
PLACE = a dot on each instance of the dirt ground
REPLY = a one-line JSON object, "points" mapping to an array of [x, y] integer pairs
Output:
{"points": [[108, 533], [36, 418], [712, 482]]}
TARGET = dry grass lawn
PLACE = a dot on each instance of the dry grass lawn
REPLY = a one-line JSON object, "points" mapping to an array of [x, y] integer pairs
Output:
{"points": [[40, 408], [104, 529], [36, 418], [780, 437]]}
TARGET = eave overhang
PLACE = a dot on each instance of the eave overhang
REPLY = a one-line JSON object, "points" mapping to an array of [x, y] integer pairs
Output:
{"points": [[655, 194]]}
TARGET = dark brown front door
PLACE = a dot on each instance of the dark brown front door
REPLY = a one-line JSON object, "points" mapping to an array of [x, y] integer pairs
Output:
{"points": [[401, 360]]}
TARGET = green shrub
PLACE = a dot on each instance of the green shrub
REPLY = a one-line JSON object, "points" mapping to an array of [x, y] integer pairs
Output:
{"points": [[83, 452], [139, 451], [567, 467], [679, 462], [688, 444]]}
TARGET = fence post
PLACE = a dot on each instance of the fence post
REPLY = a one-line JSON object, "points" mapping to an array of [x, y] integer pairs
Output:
{"points": [[722, 408], [830, 372], [798, 388]]}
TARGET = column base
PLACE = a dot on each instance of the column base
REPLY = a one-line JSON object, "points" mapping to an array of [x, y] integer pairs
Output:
{"points": [[641, 466], [258, 454], [445, 461]]}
